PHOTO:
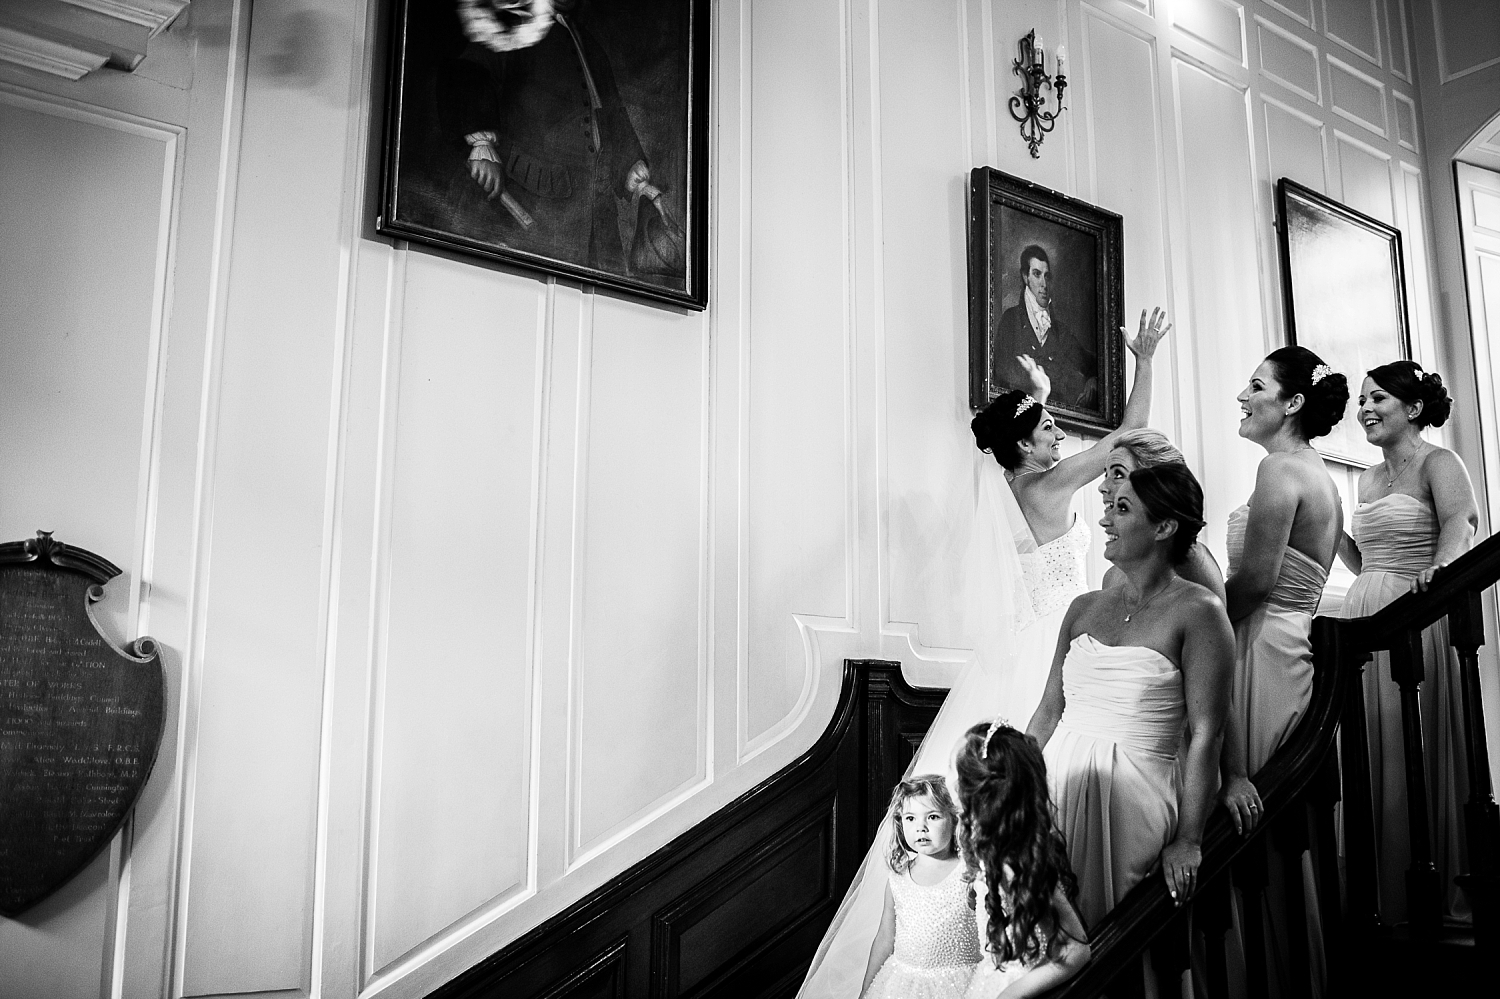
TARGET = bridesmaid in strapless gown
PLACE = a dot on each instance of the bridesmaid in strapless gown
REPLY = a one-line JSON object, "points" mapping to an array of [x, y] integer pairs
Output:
{"points": [[1273, 683], [1397, 538], [1112, 762], [1132, 719], [1281, 544], [1416, 513]]}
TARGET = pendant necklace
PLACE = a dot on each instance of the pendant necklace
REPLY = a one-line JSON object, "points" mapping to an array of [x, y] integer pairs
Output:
{"points": [[1144, 603], [1391, 479]]}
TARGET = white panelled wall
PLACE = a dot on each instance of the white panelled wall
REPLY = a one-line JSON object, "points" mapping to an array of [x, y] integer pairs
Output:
{"points": [[476, 586]]}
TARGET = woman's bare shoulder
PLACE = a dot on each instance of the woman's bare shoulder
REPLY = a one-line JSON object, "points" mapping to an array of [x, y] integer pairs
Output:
{"points": [[1193, 599]]}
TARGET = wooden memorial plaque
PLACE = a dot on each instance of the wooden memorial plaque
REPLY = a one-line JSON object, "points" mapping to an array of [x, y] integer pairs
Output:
{"points": [[80, 720]]}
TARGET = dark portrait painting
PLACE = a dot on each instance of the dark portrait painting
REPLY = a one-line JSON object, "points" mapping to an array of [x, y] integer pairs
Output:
{"points": [[567, 136], [1045, 283]]}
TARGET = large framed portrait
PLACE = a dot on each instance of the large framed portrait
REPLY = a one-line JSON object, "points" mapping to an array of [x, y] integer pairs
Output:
{"points": [[564, 136], [1344, 292], [1046, 281]]}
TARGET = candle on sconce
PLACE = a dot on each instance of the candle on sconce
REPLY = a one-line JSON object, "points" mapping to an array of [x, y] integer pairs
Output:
{"points": [[1041, 51], [1062, 55]]}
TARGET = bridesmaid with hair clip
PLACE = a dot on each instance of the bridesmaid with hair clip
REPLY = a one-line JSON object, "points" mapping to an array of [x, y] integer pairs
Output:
{"points": [[1416, 514], [1281, 544]]}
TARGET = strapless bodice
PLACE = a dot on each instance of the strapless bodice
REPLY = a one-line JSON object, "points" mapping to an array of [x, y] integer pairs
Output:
{"points": [[1126, 694], [1056, 572], [1299, 587], [1396, 533]]}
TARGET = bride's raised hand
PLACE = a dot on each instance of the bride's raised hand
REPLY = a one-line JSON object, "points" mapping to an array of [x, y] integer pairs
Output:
{"points": [[1041, 385], [1144, 343]]}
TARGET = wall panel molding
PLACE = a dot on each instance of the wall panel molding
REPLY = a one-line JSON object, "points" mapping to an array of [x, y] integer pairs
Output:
{"points": [[1463, 45], [1356, 96], [1355, 25], [1289, 60], [130, 337]]}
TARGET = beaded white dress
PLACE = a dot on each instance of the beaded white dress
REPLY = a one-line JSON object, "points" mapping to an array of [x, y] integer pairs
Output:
{"points": [[1019, 593], [936, 944], [1055, 573]]}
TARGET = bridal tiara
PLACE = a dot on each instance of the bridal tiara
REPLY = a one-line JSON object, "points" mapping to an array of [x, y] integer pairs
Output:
{"points": [[1026, 403], [995, 726], [1321, 372]]}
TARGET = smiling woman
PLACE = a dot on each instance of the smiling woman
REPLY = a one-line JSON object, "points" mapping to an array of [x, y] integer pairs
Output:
{"points": [[1416, 513], [1281, 545], [1132, 664]]}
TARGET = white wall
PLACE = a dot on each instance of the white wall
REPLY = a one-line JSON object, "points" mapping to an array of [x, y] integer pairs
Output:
{"points": [[477, 586]]}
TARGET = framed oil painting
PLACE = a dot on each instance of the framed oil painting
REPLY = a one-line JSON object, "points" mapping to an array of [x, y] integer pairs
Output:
{"points": [[564, 136], [1343, 289], [1046, 280]]}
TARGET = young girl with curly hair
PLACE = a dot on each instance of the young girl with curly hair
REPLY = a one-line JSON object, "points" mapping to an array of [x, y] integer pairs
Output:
{"points": [[926, 947], [1032, 938]]}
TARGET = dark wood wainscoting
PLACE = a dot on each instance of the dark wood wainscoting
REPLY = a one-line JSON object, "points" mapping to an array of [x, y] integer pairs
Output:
{"points": [[735, 906]]}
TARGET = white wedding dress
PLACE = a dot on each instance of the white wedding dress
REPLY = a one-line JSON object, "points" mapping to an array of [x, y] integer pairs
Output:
{"points": [[1016, 594]]}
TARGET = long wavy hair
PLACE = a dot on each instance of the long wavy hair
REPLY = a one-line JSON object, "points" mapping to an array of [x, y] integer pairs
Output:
{"points": [[1008, 833], [902, 856]]}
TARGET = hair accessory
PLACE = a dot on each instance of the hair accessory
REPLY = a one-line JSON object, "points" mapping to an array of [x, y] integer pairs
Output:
{"points": [[995, 726], [1321, 372], [1026, 403]]}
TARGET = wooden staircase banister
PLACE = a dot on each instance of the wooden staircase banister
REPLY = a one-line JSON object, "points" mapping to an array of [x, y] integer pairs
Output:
{"points": [[1340, 649], [1127, 930], [1477, 570]]}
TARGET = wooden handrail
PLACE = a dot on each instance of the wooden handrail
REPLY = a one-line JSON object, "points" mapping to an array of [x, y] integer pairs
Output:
{"points": [[1340, 649], [1124, 934]]}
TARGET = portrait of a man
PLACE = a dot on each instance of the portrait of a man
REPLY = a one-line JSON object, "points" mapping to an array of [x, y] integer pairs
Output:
{"points": [[565, 135], [1032, 328], [1046, 288]]}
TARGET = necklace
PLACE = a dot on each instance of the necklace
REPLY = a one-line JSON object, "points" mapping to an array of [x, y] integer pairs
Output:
{"points": [[1390, 480], [1145, 603]]}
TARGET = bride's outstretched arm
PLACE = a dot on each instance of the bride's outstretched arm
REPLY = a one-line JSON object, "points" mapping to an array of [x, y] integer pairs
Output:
{"points": [[885, 940], [1207, 662], [1076, 471]]}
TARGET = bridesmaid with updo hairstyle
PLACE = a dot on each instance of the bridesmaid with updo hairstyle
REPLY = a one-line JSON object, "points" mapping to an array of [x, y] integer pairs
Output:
{"points": [[1416, 513], [1281, 545]]}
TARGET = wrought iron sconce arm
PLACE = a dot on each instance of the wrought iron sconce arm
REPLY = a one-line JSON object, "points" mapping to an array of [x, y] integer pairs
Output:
{"points": [[1027, 107]]}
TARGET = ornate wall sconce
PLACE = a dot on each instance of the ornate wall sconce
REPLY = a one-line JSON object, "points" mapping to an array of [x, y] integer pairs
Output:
{"points": [[1027, 106]]}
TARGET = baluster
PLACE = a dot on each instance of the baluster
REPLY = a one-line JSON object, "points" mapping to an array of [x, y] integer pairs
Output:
{"points": [[1250, 875], [1360, 872], [1423, 886], [1481, 817], [1169, 953], [1290, 838], [1325, 798], [1212, 914]]}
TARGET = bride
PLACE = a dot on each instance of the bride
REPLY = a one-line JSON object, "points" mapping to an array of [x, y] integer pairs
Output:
{"points": [[1024, 567]]}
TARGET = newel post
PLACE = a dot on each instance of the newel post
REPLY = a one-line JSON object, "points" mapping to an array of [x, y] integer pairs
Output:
{"points": [[1481, 817], [1423, 884]]}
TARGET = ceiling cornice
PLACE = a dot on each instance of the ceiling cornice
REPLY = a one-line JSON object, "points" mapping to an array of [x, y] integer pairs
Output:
{"points": [[70, 38]]}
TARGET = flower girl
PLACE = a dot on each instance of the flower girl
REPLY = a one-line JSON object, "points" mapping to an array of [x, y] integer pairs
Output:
{"points": [[926, 947], [1033, 940]]}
